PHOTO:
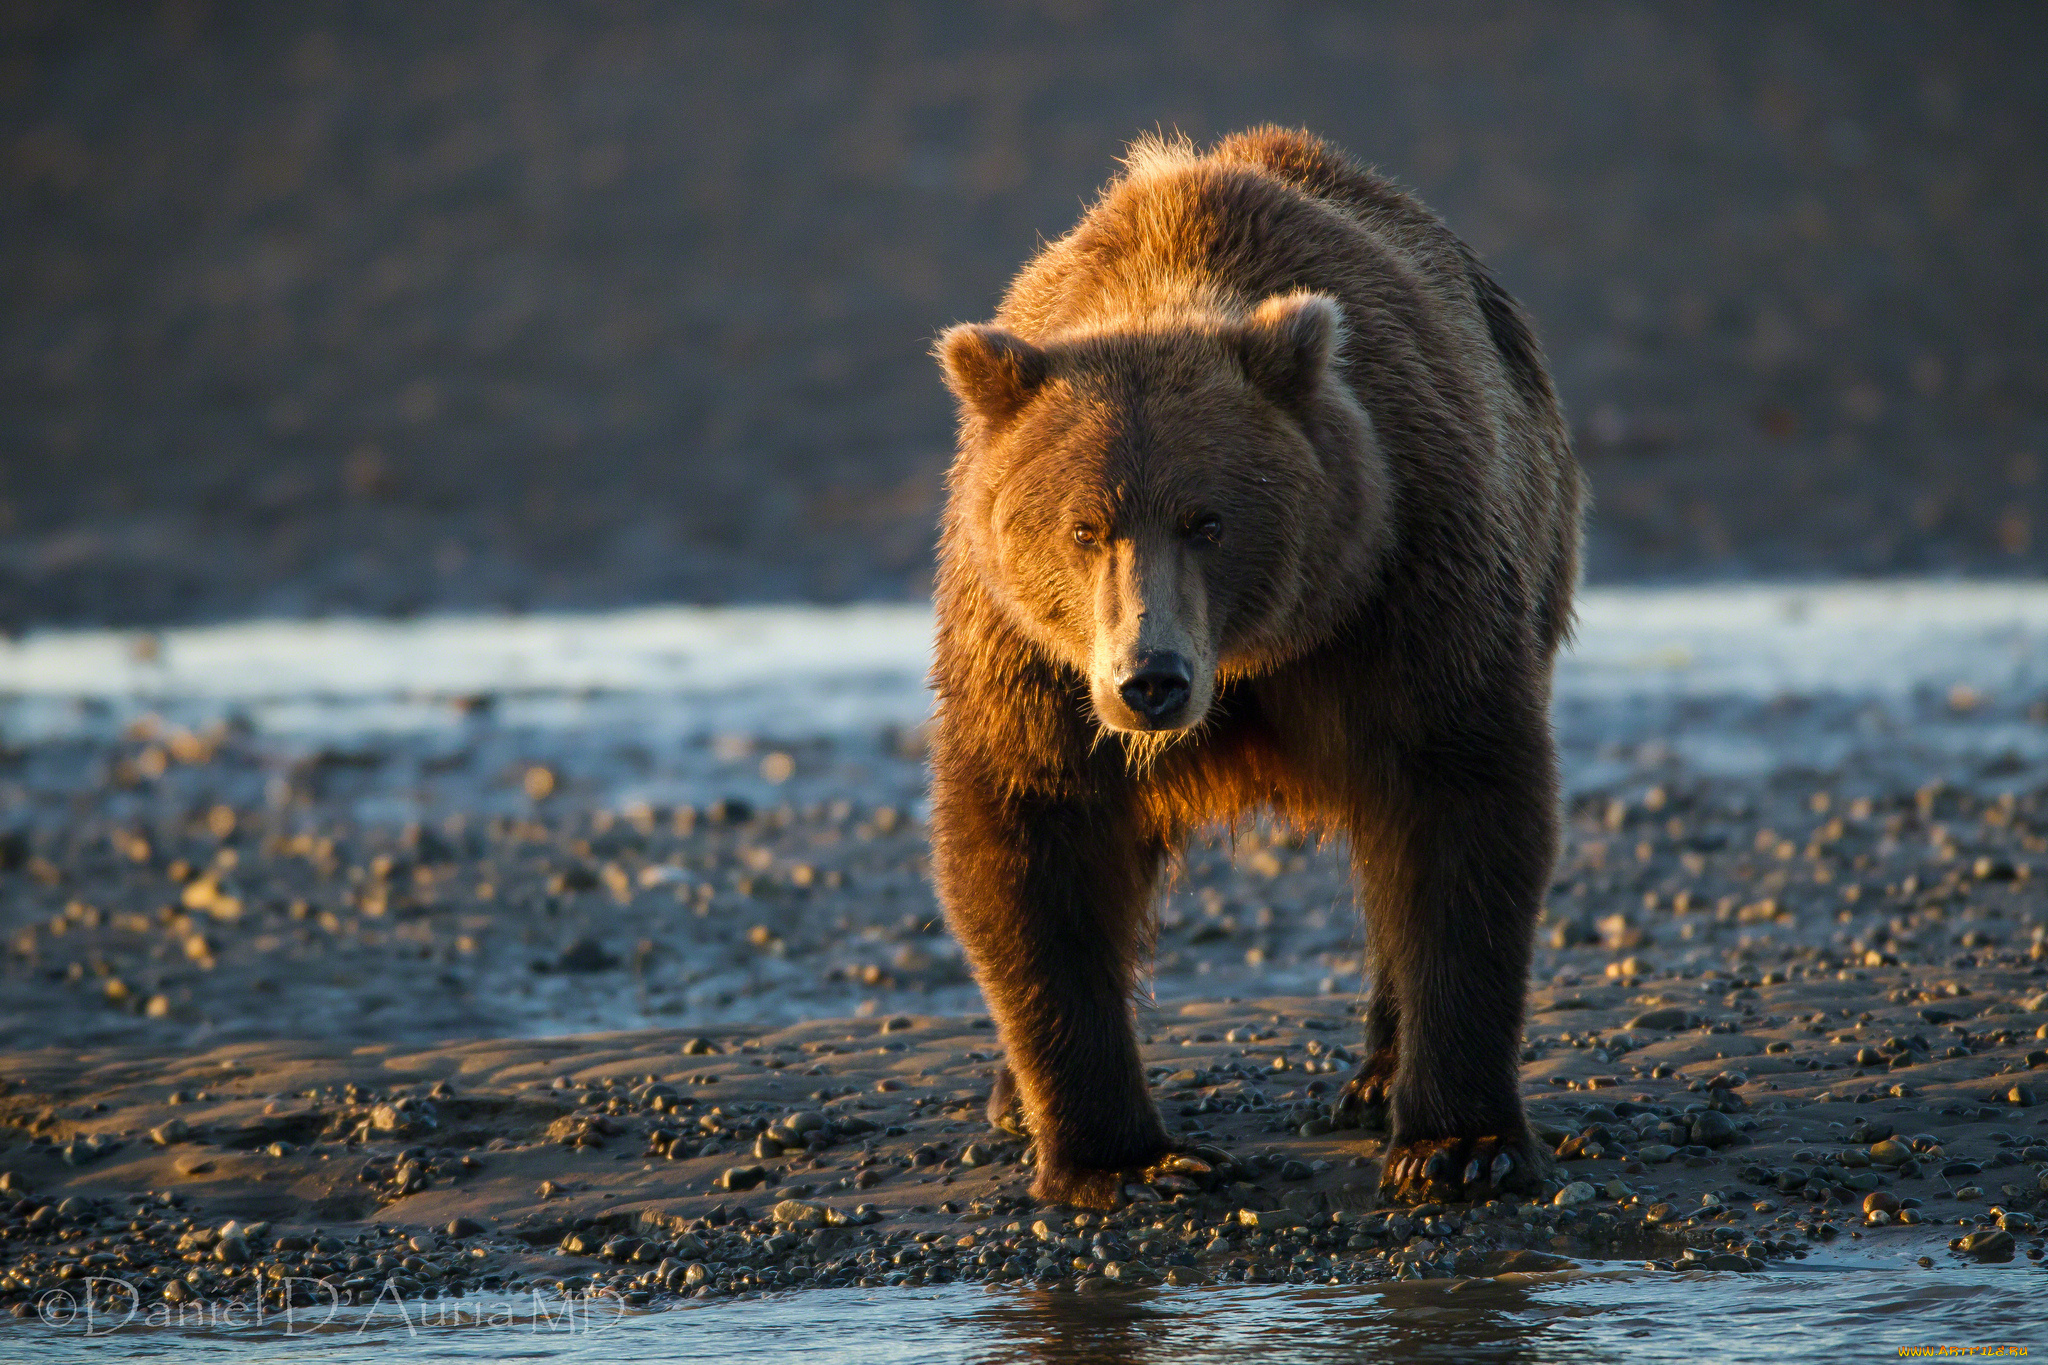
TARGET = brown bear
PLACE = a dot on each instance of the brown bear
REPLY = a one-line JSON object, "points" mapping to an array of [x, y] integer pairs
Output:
{"points": [[1263, 500]]}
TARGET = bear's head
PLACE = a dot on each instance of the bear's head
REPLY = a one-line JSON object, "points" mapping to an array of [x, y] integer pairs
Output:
{"points": [[1156, 504]]}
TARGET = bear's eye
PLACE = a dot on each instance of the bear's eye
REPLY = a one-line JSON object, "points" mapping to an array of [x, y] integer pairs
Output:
{"points": [[1208, 527], [1085, 535]]}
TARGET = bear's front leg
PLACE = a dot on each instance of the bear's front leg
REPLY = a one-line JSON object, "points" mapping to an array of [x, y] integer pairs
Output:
{"points": [[1049, 898], [1455, 876]]}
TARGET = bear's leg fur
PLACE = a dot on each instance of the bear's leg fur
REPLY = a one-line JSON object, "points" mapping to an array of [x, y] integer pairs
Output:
{"points": [[1455, 876], [1051, 901], [1362, 1103]]}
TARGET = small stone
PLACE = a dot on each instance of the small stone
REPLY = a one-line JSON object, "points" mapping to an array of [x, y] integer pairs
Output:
{"points": [[1671, 1019], [231, 1250], [1713, 1129], [1880, 1201], [1268, 1219], [1987, 1244], [464, 1227], [1525, 1262], [1295, 1170], [586, 955], [170, 1131], [1578, 1192], [1890, 1152], [795, 1211], [1656, 1153], [2021, 1095], [740, 1177]]}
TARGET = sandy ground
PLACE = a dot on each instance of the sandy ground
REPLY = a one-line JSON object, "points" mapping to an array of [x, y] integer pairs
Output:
{"points": [[386, 308], [1787, 928]]}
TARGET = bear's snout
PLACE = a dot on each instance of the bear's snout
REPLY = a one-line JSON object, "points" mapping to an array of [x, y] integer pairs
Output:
{"points": [[1157, 688]]}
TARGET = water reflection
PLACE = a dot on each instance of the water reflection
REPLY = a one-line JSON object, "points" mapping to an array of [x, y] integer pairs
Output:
{"points": [[1586, 1318], [1417, 1321], [1595, 1317]]}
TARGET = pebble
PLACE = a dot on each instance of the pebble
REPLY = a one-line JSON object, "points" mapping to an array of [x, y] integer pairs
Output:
{"points": [[1671, 1019], [1713, 1129], [1988, 1244], [797, 1212], [1269, 1219], [586, 955]]}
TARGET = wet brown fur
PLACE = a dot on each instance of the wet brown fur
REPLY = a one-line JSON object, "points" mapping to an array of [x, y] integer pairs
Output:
{"points": [[1401, 515]]}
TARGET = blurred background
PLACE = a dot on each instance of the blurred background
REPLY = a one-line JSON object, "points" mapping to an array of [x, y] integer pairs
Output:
{"points": [[384, 308]]}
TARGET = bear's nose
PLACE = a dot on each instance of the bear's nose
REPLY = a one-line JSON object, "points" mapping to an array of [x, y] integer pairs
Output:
{"points": [[1157, 688]]}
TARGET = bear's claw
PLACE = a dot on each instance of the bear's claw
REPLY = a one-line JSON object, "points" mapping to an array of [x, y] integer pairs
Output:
{"points": [[1180, 1171], [1362, 1103], [1459, 1169], [1005, 1106]]}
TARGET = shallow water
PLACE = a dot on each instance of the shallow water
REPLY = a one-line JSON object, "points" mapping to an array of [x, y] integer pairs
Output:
{"points": [[820, 670], [1816, 1311]]}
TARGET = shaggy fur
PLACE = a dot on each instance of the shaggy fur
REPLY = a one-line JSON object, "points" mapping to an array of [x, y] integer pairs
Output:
{"points": [[1260, 413]]}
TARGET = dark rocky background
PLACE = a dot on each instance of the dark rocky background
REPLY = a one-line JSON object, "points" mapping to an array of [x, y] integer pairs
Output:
{"points": [[389, 307]]}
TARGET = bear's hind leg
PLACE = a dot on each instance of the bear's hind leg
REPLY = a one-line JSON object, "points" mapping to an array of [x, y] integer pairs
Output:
{"points": [[1463, 862], [1362, 1103]]}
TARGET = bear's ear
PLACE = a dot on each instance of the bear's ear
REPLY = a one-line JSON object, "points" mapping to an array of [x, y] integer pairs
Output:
{"points": [[1289, 342], [992, 372]]}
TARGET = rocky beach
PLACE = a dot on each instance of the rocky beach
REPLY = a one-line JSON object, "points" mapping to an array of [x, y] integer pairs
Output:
{"points": [[492, 995]]}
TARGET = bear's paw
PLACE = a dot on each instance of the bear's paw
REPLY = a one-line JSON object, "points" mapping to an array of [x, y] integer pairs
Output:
{"points": [[1456, 1170]]}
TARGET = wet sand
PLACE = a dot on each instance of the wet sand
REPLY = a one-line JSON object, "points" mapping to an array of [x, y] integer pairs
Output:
{"points": [[1720, 1121]]}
